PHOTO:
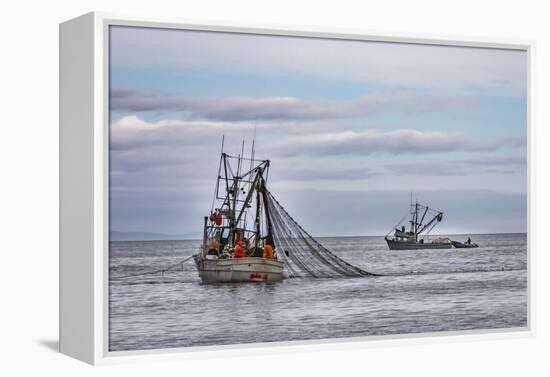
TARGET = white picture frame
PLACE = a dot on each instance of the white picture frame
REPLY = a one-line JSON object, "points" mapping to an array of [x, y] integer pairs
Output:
{"points": [[84, 195]]}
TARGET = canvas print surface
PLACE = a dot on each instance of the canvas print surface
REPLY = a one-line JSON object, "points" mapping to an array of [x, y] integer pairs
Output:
{"points": [[275, 188]]}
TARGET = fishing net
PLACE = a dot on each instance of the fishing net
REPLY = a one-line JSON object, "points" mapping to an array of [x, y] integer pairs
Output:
{"points": [[302, 254]]}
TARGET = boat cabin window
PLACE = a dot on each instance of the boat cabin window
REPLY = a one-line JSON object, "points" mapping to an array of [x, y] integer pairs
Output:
{"points": [[224, 236]]}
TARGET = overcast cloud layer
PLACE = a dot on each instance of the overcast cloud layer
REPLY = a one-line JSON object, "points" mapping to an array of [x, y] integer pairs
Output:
{"points": [[351, 129], [280, 108]]}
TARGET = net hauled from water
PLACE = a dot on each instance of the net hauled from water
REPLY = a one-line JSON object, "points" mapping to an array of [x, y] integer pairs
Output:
{"points": [[302, 254]]}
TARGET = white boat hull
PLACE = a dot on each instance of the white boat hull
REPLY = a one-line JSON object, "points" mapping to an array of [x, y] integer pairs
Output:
{"points": [[247, 269]]}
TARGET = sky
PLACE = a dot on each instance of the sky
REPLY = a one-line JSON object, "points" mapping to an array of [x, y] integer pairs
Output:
{"points": [[352, 128]]}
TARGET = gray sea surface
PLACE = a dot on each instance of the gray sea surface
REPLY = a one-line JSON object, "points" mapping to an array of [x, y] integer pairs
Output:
{"points": [[421, 291]]}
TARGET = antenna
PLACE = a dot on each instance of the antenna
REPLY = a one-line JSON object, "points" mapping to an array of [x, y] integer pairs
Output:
{"points": [[242, 149], [252, 153], [253, 141], [223, 138], [219, 171], [241, 156]]}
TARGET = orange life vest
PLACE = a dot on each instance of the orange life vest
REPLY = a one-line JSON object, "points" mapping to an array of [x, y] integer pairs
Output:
{"points": [[238, 253], [268, 251]]}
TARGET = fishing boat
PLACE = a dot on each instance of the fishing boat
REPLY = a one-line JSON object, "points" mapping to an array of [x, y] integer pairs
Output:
{"points": [[422, 220], [238, 243]]}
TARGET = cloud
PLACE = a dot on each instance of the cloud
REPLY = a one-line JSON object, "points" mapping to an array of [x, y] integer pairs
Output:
{"points": [[369, 142], [125, 99], [497, 160], [163, 171], [281, 108], [323, 174], [131, 132], [490, 71], [498, 143], [445, 169], [163, 176]]}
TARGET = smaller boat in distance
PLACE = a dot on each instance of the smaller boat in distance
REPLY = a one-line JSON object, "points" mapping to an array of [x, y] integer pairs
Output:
{"points": [[411, 239], [464, 245]]}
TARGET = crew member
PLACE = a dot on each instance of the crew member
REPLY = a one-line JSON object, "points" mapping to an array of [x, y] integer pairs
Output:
{"points": [[246, 247], [469, 241], [213, 247], [268, 251], [238, 253]]}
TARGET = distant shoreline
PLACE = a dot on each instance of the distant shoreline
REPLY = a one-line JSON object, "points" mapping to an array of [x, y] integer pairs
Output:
{"points": [[318, 237]]}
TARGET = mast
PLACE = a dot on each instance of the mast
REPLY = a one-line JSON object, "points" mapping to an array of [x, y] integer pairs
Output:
{"points": [[217, 189], [252, 147], [257, 221], [414, 219], [269, 236], [411, 213], [417, 214], [224, 156], [249, 194], [240, 186]]}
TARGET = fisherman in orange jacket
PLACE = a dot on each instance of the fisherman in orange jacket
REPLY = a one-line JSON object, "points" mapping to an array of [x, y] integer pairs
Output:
{"points": [[238, 253], [268, 251]]}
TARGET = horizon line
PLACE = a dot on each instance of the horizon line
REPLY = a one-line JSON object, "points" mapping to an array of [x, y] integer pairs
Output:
{"points": [[355, 236]]}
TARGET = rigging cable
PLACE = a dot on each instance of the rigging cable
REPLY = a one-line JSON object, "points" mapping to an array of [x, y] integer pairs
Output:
{"points": [[161, 271]]}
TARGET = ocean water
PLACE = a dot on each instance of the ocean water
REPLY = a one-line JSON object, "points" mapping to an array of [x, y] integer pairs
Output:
{"points": [[422, 291]]}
